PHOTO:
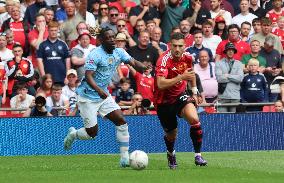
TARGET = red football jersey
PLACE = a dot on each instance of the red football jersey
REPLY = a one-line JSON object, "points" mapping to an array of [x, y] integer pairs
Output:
{"points": [[273, 16], [168, 68], [280, 33]]}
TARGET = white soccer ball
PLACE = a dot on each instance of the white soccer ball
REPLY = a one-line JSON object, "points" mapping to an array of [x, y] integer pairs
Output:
{"points": [[138, 160]]}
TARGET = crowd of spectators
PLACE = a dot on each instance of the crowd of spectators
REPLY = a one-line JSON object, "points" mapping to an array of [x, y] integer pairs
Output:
{"points": [[237, 46]]}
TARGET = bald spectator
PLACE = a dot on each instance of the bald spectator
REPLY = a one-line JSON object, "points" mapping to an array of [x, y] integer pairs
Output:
{"points": [[155, 40], [266, 29], [233, 37], [68, 32], [206, 73], [171, 15]]}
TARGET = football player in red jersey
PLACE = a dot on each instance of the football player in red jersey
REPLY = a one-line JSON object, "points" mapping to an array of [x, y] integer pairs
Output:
{"points": [[173, 71]]}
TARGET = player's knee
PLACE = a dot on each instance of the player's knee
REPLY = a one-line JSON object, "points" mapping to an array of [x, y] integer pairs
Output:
{"points": [[171, 135], [93, 131]]}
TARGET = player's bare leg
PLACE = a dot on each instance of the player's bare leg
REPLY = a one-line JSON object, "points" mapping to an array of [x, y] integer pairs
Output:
{"points": [[122, 135], [170, 138], [189, 113]]}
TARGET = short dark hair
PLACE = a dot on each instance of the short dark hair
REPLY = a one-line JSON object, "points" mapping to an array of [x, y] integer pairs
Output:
{"points": [[265, 21], [124, 80], [207, 22], [56, 87], [103, 31], [20, 85], [197, 31], [246, 22], [177, 36], [255, 20], [17, 46], [234, 26]]}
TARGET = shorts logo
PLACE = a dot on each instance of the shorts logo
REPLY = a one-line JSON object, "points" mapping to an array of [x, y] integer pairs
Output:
{"points": [[183, 97], [110, 60]]}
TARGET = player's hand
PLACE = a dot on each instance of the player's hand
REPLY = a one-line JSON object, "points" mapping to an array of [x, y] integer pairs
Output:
{"points": [[196, 99], [3, 100], [102, 94], [145, 8], [188, 75]]}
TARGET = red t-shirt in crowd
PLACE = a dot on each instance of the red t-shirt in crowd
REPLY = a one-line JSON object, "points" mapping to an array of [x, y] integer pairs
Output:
{"points": [[145, 85], [33, 35], [18, 30], [280, 33], [273, 16], [242, 47], [168, 68]]}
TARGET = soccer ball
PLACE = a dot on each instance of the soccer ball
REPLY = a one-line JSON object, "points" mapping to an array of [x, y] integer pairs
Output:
{"points": [[138, 160]]}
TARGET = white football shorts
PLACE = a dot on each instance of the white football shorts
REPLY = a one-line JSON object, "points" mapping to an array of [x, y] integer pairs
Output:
{"points": [[89, 109]]}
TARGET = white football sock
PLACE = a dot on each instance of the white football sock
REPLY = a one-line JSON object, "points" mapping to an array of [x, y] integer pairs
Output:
{"points": [[122, 137], [82, 134], [197, 154]]}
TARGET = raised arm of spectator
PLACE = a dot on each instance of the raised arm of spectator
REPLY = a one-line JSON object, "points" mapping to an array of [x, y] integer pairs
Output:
{"points": [[192, 19], [162, 6], [132, 70], [133, 18], [131, 42], [36, 42], [68, 63]]}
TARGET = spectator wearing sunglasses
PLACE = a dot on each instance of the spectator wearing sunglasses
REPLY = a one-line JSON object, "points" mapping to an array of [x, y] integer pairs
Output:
{"points": [[112, 19]]}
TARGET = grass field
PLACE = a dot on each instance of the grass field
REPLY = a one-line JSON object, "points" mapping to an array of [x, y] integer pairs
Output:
{"points": [[223, 167]]}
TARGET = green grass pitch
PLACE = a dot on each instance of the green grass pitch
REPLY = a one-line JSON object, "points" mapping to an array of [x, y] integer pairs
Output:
{"points": [[223, 167]]}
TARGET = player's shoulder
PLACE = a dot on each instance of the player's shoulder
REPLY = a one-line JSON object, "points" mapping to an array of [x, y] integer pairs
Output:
{"points": [[164, 58]]}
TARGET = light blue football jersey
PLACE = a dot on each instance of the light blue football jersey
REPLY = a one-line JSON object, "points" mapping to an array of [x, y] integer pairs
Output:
{"points": [[105, 66]]}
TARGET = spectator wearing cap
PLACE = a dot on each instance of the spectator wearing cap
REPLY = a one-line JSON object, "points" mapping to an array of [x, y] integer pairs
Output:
{"points": [[80, 52], [37, 36], [82, 27], [69, 89], [68, 31], [229, 74], [22, 99], [274, 63], [112, 19], [233, 37], [216, 10], [220, 28], [53, 56], [209, 40], [32, 10], [121, 42], [266, 30], [245, 15]]}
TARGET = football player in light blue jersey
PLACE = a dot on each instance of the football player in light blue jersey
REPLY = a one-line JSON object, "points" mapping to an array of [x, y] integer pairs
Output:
{"points": [[94, 97]]}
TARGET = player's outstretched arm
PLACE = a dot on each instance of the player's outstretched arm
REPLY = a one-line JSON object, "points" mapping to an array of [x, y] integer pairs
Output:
{"points": [[138, 66], [89, 77]]}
